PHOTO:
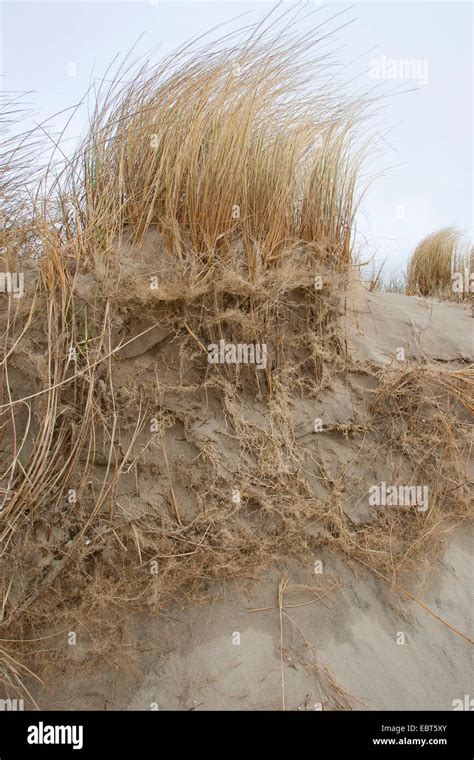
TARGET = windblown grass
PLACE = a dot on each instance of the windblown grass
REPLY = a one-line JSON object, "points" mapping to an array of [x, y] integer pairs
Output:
{"points": [[21, 170], [247, 140], [434, 261]]}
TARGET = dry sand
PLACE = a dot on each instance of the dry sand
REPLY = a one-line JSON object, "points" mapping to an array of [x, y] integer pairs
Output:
{"points": [[187, 658], [342, 639]]}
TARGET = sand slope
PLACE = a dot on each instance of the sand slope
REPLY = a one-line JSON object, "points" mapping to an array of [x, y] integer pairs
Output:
{"points": [[436, 331], [342, 640], [187, 659]]}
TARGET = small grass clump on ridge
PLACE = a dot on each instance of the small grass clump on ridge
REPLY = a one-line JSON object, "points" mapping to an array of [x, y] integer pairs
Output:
{"points": [[434, 261]]}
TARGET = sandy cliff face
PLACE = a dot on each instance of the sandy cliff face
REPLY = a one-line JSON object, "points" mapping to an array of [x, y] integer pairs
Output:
{"points": [[188, 536]]}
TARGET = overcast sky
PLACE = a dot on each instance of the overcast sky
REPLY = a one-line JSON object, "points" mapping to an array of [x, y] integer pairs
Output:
{"points": [[56, 49]]}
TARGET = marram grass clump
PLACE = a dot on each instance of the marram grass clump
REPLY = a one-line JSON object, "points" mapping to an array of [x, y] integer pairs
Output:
{"points": [[436, 264], [247, 141]]}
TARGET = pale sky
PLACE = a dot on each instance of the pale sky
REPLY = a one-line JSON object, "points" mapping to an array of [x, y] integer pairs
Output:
{"points": [[427, 155]]}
